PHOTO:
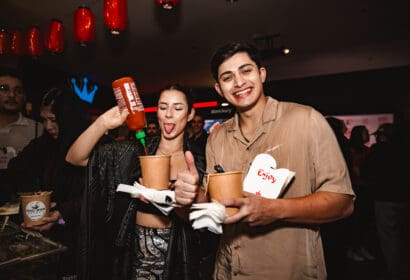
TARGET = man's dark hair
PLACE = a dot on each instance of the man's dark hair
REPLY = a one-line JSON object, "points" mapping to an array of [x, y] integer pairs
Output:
{"points": [[12, 72], [228, 50], [149, 121], [199, 115]]}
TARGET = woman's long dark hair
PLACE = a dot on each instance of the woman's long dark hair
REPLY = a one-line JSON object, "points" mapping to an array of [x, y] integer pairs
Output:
{"points": [[70, 114], [185, 91]]}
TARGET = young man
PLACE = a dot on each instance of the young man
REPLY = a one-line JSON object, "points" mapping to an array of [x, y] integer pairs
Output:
{"points": [[16, 131], [273, 238], [152, 128]]}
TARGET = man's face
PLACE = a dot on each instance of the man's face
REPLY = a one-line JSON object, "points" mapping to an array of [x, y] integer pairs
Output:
{"points": [[240, 81], [197, 124], [12, 95], [152, 129]]}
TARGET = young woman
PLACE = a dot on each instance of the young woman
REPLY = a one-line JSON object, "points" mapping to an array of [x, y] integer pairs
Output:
{"points": [[41, 165], [126, 238]]}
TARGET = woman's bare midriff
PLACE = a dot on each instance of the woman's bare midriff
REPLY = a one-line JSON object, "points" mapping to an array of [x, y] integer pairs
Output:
{"points": [[152, 220]]}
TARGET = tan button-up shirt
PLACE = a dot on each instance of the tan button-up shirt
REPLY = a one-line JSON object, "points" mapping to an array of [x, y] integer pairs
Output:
{"points": [[304, 144]]}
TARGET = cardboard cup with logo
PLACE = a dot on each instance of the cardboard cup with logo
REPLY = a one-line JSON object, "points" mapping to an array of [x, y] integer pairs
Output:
{"points": [[35, 206], [155, 171], [225, 185]]}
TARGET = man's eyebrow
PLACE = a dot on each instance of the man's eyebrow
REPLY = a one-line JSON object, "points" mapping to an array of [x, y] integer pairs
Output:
{"points": [[240, 68]]}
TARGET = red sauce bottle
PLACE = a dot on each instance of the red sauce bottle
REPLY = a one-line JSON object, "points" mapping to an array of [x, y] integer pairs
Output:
{"points": [[127, 97]]}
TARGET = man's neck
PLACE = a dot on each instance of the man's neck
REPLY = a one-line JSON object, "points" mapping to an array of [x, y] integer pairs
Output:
{"points": [[253, 114], [249, 118], [7, 118]]}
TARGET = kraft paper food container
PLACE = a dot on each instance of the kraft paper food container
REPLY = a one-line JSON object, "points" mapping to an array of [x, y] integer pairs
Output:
{"points": [[225, 185], [155, 171], [35, 206]]}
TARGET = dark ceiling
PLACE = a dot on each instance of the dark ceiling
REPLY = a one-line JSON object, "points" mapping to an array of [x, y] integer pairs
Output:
{"points": [[161, 47]]}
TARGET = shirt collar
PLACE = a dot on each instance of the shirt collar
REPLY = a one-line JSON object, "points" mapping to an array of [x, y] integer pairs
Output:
{"points": [[21, 120], [269, 114]]}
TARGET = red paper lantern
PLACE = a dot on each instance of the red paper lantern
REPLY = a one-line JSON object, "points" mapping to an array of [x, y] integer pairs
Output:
{"points": [[54, 40], [17, 43], [84, 25], [168, 4], [34, 41], [4, 42], [115, 15]]}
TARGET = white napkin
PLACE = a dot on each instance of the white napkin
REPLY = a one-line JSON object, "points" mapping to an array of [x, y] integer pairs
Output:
{"points": [[208, 215], [164, 200]]}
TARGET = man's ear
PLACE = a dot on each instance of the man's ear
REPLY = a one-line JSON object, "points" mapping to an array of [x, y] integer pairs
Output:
{"points": [[218, 89], [262, 74], [191, 115]]}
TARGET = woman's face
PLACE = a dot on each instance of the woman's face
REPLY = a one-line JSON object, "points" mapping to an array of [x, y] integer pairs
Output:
{"points": [[49, 121], [365, 135], [172, 113]]}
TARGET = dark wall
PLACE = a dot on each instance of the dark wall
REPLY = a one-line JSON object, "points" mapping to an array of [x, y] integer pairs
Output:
{"points": [[381, 91]]}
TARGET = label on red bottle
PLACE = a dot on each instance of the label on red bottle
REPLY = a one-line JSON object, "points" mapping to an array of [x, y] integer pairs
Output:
{"points": [[133, 97], [120, 99]]}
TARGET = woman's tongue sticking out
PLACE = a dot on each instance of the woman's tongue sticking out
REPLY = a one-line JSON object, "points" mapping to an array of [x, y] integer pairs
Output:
{"points": [[169, 127]]}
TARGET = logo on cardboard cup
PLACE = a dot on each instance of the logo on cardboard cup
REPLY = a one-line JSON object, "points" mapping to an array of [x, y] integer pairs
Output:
{"points": [[35, 210]]}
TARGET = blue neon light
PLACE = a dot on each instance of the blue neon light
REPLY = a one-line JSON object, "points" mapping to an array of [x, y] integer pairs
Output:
{"points": [[83, 93]]}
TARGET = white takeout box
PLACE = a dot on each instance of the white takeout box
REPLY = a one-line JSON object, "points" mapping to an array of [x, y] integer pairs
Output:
{"points": [[264, 179]]}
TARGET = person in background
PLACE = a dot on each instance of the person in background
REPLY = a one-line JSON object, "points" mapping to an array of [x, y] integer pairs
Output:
{"points": [[198, 138], [152, 128], [339, 128], [362, 220], [120, 232], [16, 130], [334, 243], [273, 238], [41, 165], [388, 181], [199, 135]]}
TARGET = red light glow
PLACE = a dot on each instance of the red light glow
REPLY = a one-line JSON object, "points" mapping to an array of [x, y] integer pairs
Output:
{"points": [[206, 104]]}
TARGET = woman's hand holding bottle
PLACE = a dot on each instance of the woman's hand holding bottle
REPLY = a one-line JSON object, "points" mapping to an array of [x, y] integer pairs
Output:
{"points": [[112, 118]]}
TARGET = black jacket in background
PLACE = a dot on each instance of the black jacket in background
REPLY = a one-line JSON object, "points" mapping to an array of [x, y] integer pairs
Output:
{"points": [[41, 165]]}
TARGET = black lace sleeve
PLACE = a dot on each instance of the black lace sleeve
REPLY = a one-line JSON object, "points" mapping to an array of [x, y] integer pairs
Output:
{"points": [[107, 216]]}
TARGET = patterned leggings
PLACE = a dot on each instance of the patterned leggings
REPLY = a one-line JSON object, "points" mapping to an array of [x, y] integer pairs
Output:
{"points": [[150, 252]]}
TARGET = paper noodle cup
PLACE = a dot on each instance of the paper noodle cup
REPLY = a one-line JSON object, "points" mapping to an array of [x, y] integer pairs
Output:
{"points": [[35, 206], [225, 185], [155, 171]]}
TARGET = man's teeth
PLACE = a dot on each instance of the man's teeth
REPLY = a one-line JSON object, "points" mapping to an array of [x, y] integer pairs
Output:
{"points": [[242, 92]]}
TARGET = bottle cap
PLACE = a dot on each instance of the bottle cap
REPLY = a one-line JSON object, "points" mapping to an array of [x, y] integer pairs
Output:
{"points": [[140, 135]]}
